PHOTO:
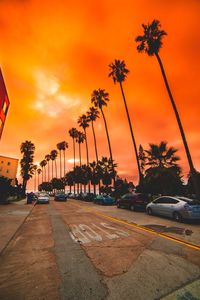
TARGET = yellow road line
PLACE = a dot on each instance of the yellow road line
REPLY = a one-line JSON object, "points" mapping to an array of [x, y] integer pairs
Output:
{"points": [[163, 235]]}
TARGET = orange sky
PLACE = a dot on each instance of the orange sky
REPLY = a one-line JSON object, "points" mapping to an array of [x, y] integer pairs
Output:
{"points": [[54, 53]]}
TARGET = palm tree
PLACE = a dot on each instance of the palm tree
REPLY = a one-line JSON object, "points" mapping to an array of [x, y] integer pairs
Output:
{"points": [[47, 158], [35, 172], [92, 115], [100, 98], [43, 166], [80, 139], [64, 147], [27, 167], [161, 156], [73, 135], [39, 172], [54, 154], [59, 147], [118, 72], [83, 122], [105, 170], [151, 42]]}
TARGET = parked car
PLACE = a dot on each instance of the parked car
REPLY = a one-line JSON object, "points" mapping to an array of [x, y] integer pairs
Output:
{"points": [[176, 207], [43, 198], [133, 201], [72, 196], [104, 200], [60, 196], [89, 197]]}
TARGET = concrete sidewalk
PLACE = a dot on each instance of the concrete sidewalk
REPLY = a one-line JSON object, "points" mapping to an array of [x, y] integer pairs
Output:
{"points": [[12, 217]]}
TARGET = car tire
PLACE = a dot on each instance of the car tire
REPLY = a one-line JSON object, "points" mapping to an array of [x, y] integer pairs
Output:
{"points": [[177, 217], [118, 205], [149, 211], [132, 207]]}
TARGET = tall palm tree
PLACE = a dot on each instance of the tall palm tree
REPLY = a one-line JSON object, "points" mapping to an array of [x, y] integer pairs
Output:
{"points": [[100, 98], [83, 122], [64, 147], [73, 135], [118, 72], [35, 176], [39, 172], [47, 158], [27, 167], [43, 166], [80, 139], [92, 115], [151, 42], [54, 154], [59, 147]]}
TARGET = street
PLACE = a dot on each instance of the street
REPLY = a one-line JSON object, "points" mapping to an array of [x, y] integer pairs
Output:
{"points": [[79, 250]]}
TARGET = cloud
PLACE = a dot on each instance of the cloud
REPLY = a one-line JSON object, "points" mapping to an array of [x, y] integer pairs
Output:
{"points": [[50, 100]]}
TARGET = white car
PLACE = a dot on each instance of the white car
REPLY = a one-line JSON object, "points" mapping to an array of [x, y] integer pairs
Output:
{"points": [[176, 207], [43, 198]]}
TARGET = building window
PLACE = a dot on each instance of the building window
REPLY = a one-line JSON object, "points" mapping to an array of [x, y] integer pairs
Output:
{"points": [[7, 171], [8, 163], [2, 161]]}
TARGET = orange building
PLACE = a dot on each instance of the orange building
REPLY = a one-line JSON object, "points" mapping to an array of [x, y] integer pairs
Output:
{"points": [[4, 103], [8, 167]]}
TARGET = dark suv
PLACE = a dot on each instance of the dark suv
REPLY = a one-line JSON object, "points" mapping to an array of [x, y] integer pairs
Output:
{"points": [[133, 201]]}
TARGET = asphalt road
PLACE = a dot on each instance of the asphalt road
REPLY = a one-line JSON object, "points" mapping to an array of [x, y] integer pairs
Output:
{"points": [[78, 250]]}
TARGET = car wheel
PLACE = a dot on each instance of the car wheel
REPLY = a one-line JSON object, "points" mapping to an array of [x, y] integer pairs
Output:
{"points": [[118, 205], [177, 217], [132, 207], [149, 211]]}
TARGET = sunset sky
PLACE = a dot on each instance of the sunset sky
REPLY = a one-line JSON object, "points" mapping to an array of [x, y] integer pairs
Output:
{"points": [[53, 54]]}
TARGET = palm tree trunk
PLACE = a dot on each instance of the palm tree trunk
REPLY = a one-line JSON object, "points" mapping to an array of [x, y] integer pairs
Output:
{"points": [[52, 169], [64, 162], [48, 169], [64, 167], [38, 179], [60, 165], [132, 135], [86, 144], [74, 162], [95, 145], [56, 169], [35, 178], [192, 169], [109, 145], [42, 174], [45, 174], [79, 145]]}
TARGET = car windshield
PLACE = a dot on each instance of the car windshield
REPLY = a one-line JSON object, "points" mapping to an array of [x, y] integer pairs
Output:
{"points": [[189, 201]]}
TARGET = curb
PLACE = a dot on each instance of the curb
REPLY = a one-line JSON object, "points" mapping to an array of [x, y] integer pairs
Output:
{"points": [[17, 230]]}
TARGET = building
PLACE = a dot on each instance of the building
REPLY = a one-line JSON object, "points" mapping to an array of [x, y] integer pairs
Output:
{"points": [[8, 167], [4, 103]]}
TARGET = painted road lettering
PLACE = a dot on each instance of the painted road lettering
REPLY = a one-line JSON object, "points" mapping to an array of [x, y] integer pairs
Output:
{"points": [[95, 232]]}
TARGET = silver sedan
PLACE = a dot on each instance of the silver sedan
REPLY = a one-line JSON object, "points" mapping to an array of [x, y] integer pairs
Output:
{"points": [[176, 207], [43, 198]]}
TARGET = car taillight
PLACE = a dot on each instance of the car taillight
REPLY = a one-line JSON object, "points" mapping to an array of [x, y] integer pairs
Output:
{"points": [[187, 207]]}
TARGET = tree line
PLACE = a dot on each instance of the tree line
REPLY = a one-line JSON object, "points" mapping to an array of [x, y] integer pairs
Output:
{"points": [[150, 42]]}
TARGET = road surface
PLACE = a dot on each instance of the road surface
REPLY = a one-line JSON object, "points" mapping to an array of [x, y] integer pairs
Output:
{"points": [[79, 250]]}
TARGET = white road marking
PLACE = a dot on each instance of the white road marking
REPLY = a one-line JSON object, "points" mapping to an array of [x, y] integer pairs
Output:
{"points": [[78, 235], [108, 235], [85, 234], [120, 232], [94, 236]]}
